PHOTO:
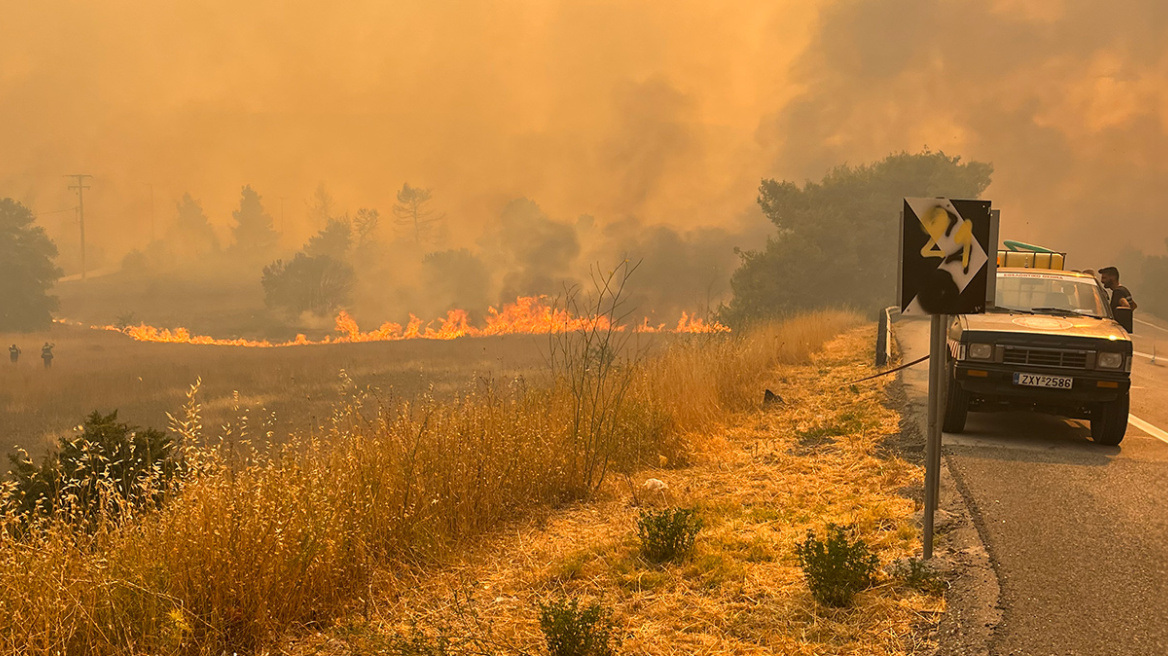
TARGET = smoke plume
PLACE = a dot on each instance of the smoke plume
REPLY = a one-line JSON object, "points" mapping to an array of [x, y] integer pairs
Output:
{"points": [[658, 119]]}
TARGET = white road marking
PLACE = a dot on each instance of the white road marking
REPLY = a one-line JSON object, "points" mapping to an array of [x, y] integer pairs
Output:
{"points": [[1144, 355], [1148, 323], [1147, 428]]}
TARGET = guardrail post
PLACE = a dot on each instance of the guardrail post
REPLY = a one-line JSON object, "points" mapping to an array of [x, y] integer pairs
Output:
{"points": [[884, 337]]}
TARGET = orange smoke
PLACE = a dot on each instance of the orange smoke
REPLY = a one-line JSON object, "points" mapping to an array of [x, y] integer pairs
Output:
{"points": [[528, 315]]}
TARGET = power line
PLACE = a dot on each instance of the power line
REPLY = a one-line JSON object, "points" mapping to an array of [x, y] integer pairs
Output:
{"points": [[81, 187]]}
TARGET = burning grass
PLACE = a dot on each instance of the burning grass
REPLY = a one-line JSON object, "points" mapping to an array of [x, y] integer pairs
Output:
{"points": [[260, 543], [528, 315]]}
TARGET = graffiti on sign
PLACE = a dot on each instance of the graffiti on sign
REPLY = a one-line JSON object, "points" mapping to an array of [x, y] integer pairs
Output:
{"points": [[945, 263]]}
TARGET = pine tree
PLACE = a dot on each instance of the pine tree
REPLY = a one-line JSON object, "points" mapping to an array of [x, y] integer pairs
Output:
{"points": [[415, 217], [333, 240], [192, 237], [254, 233], [27, 271]]}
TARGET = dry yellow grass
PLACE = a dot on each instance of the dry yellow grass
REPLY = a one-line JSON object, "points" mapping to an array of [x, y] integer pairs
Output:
{"points": [[759, 487], [107, 370], [262, 544]]}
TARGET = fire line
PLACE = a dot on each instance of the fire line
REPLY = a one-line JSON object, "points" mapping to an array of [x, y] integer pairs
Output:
{"points": [[528, 315]]}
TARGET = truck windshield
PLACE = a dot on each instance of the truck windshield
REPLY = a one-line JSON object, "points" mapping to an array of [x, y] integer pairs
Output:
{"points": [[1049, 294]]}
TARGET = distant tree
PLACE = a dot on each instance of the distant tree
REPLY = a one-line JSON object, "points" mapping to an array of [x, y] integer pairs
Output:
{"points": [[317, 284], [321, 207], [27, 271], [254, 233], [333, 240], [414, 216], [192, 236], [836, 243], [457, 278], [366, 222]]}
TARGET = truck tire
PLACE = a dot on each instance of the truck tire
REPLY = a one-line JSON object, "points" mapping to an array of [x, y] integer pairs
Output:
{"points": [[956, 405], [1109, 421]]}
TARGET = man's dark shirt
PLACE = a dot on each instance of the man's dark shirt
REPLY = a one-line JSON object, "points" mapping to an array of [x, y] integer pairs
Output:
{"points": [[1120, 292]]}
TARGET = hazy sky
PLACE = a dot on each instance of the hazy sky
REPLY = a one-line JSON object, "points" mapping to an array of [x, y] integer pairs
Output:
{"points": [[667, 111]]}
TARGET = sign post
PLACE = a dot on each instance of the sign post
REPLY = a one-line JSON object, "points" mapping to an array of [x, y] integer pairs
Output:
{"points": [[947, 267]]}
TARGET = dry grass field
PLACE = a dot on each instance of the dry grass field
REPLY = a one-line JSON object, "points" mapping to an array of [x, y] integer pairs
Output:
{"points": [[758, 485], [255, 546], [101, 370]]}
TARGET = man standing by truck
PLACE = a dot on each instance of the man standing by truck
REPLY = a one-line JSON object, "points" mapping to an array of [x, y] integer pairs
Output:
{"points": [[1120, 296]]}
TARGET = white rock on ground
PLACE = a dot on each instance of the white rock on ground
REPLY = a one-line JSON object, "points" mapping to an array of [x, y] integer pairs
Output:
{"points": [[655, 485]]}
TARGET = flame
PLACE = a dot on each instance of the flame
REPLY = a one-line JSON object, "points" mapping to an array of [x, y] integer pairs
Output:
{"points": [[528, 315]]}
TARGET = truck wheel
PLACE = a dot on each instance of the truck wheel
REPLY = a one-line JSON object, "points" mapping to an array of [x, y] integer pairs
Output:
{"points": [[1109, 421], [956, 405]]}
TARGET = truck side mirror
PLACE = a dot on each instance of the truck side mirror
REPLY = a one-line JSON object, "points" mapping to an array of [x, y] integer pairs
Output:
{"points": [[1124, 317]]}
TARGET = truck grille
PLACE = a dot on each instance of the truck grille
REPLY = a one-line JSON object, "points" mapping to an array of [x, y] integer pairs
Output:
{"points": [[1045, 357]]}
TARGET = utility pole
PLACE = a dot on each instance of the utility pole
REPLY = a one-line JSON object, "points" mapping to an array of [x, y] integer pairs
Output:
{"points": [[81, 187]]}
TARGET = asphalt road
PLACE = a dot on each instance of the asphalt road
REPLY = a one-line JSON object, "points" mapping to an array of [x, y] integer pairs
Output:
{"points": [[1077, 532]]}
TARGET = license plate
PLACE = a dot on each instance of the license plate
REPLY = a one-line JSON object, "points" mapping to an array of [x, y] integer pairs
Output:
{"points": [[1042, 380]]}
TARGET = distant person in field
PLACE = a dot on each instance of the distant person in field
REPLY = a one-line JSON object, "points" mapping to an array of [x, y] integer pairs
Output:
{"points": [[1120, 296], [47, 354], [13, 353]]}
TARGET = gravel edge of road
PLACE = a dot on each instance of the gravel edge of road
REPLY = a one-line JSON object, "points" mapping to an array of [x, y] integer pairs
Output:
{"points": [[973, 610]]}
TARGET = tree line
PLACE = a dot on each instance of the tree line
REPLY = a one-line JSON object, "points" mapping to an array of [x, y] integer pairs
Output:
{"points": [[833, 243]]}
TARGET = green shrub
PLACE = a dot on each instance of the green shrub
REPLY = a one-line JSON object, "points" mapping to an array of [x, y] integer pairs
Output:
{"points": [[110, 467], [838, 568], [574, 631], [668, 534], [920, 575]]}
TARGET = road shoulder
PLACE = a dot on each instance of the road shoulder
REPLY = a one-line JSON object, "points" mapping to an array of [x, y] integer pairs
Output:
{"points": [[973, 610]]}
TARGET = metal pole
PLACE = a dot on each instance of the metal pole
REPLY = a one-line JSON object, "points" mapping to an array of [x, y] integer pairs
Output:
{"points": [[81, 187], [937, 359], [81, 214]]}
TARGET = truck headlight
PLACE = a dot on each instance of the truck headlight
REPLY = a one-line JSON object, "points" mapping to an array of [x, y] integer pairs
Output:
{"points": [[1109, 361], [981, 351]]}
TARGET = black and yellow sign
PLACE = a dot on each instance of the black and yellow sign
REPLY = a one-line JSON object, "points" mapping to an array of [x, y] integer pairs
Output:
{"points": [[945, 260]]}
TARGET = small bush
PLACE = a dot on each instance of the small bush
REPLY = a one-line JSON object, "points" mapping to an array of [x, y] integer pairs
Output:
{"points": [[668, 534], [110, 468], [920, 575], [574, 631], [838, 568]]}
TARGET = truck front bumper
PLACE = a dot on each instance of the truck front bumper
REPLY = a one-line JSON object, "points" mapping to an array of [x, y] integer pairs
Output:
{"points": [[989, 383]]}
